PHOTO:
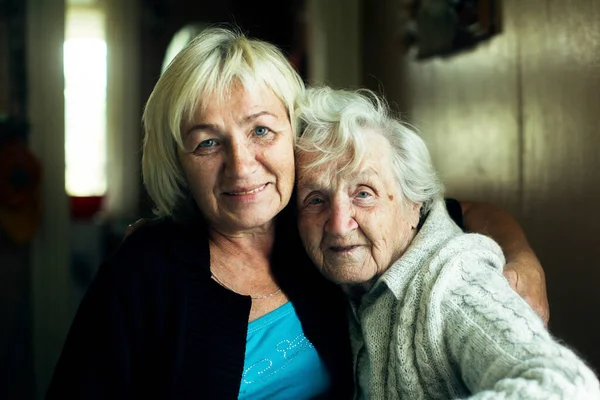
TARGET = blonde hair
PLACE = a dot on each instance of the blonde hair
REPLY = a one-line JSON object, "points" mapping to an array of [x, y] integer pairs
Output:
{"points": [[334, 125], [208, 66]]}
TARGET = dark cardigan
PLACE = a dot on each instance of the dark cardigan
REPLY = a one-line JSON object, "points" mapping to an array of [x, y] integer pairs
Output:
{"points": [[155, 325]]}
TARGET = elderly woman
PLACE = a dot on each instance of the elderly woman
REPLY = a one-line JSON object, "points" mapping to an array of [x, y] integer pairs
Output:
{"points": [[432, 315], [216, 299]]}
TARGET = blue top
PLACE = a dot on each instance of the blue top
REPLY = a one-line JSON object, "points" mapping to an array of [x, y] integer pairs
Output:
{"points": [[280, 361]]}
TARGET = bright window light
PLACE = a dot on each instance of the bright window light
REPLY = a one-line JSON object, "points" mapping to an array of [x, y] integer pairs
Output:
{"points": [[85, 102]]}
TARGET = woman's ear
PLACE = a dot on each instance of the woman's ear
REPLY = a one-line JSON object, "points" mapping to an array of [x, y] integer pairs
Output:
{"points": [[416, 215]]}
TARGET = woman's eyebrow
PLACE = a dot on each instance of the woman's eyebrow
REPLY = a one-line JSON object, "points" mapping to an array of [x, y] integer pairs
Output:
{"points": [[256, 115], [201, 127], [214, 128]]}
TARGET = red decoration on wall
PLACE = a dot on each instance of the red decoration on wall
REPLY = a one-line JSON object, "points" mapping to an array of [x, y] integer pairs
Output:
{"points": [[20, 174], [20, 177]]}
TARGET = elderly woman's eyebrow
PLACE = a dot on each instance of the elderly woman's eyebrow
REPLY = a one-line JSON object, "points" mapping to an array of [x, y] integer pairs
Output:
{"points": [[367, 175], [369, 172], [310, 186]]}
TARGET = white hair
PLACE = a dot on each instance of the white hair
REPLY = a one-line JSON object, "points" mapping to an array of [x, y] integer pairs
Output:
{"points": [[335, 125], [206, 69]]}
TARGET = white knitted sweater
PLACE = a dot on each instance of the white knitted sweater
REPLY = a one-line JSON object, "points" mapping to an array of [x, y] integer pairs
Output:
{"points": [[443, 323]]}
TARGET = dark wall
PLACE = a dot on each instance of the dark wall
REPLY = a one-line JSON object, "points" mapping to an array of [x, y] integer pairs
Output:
{"points": [[16, 362], [161, 19]]}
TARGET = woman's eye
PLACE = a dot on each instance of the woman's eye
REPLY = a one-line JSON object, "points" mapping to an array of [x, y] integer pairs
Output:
{"points": [[261, 131], [363, 195], [207, 143]]}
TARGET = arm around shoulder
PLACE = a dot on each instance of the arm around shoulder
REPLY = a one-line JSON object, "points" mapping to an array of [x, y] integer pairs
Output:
{"points": [[523, 269]]}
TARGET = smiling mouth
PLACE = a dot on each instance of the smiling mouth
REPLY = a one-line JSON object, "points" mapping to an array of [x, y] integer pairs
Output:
{"points": [[343, 249], [247, 192]]}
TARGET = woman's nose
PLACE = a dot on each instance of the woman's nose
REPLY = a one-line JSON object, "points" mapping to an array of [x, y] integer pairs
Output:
{"points": [[241, 160], [341, 219]]}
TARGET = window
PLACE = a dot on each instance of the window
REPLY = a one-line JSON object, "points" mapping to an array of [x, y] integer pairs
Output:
{"points": [[85, 100]]}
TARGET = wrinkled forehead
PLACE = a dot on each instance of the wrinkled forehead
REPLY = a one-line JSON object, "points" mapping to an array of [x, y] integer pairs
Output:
{"points": [[307, 171], [348, 157], [336, 173]]}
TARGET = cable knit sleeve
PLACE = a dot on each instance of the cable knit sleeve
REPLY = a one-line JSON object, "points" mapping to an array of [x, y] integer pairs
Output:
{"points": [[493, 341]]}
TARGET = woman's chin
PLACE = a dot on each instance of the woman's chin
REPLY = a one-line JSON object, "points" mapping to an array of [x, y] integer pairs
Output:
{"points": [[253, 219]]}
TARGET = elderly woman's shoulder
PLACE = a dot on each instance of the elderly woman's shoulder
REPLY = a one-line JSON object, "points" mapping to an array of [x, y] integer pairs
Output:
{"points": [[472, 243], [470, 254], [443, 236]]}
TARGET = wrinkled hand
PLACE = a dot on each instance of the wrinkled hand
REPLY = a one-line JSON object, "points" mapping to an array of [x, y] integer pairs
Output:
{"points": [[529, 282], [133, 227]]}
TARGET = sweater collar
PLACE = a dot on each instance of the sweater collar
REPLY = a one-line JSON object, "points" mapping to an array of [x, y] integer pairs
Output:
{"points": [[438, 228]]}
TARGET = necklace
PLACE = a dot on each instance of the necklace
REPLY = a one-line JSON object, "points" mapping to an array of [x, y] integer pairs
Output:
{"points": [[266, 296]]}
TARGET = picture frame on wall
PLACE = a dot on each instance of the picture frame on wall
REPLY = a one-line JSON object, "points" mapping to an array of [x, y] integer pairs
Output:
{"points": [[444, 27]]}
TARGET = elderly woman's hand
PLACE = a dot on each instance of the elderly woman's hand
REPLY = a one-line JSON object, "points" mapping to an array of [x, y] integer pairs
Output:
{"points": [[526, 277]]}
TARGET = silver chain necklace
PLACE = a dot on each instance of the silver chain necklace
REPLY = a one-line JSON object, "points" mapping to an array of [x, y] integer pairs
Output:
{"points": [[266, 296]]}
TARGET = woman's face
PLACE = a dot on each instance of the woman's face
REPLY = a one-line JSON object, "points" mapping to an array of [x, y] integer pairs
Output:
{"points": [[354, 226], [238, 159]]}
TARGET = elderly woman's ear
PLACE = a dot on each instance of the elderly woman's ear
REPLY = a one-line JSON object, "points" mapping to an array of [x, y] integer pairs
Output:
{"points": [[415, 215]]}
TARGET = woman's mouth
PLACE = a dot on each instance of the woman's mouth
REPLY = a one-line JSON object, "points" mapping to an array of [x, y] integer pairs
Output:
{"points": [[245, 192], [343, 249]]}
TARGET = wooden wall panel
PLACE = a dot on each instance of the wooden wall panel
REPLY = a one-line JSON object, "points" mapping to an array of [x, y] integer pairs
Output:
{"points": [[332, 23], [560, 53], [465, 106]]}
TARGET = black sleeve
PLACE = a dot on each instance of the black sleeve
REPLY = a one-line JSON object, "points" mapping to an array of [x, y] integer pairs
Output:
{"points": [[95, 360], [455, 211]]}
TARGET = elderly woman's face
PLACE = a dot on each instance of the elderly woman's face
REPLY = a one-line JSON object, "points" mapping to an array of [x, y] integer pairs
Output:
{"points": [[239, 161], [354, 227]]}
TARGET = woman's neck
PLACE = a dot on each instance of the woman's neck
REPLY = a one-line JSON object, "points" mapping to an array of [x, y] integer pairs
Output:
{"points": [[241, 263], [247, 245]]}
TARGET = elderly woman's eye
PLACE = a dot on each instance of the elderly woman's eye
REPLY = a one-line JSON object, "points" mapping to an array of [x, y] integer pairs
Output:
{"points": [[315, 201], [261, 131], [363, 195]]}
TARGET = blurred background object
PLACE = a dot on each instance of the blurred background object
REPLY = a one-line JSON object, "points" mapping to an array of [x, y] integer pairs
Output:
{"points": [[443, 27], [20, 175], [506, 94]]}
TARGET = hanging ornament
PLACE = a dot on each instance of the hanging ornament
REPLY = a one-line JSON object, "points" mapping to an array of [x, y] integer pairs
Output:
{"points": [[20, 205]]}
